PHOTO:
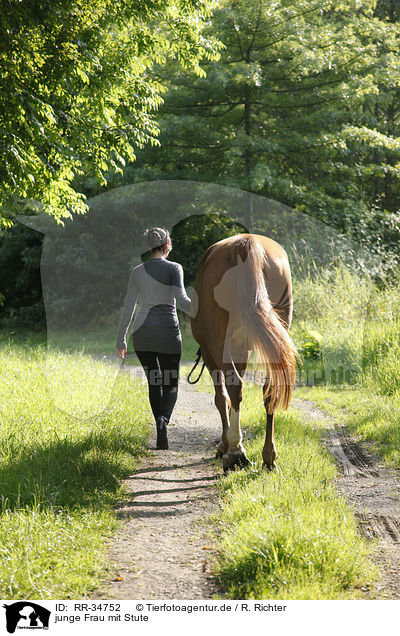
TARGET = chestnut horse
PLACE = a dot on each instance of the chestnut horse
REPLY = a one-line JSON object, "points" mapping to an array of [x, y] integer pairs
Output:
{"points": [[245, 303]]}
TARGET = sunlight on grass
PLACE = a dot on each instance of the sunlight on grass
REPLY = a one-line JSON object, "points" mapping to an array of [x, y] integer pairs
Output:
{"points": [[60, 475], [63, 375], [52, 553]]}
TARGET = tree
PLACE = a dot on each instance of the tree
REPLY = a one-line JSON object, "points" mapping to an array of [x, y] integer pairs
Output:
{"points": [[75, 92], [300, 107]]}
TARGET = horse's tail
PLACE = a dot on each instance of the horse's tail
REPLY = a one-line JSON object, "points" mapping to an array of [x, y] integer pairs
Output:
{"points": [[267, 335]]}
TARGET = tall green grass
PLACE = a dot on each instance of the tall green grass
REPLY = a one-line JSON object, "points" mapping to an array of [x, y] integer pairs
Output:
{"points": [[60, 474], [348, 330], [329, 324], [288, 534]]}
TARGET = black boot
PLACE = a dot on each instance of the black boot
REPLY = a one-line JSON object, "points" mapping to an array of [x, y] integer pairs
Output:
{"points": [[162, 439]]}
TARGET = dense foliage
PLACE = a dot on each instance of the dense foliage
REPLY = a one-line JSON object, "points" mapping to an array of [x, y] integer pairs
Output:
{"points": [[76, 96]]}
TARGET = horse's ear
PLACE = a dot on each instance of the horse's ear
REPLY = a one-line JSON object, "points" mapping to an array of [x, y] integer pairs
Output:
{"points": [[41, 222]]}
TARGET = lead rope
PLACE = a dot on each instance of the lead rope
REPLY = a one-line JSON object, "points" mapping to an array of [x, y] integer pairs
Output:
{"points": [[195, 365]]}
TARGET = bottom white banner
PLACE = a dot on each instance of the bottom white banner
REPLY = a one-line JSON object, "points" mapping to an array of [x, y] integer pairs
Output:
{"points": [[147, 617]]}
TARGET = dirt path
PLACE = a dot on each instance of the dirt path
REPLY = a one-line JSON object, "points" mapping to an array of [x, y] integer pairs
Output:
{"points": [[164, 549], [374, 492]]}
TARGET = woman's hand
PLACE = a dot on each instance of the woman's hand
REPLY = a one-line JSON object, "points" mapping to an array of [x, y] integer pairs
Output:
{"points": [[121, 353]]}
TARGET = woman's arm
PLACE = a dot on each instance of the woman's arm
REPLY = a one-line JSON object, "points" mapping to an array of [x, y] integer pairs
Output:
{"points": [[127, 315], [182, 299]]}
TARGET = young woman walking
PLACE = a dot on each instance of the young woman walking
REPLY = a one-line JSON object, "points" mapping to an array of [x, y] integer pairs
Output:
{"points": [[156, 334]]}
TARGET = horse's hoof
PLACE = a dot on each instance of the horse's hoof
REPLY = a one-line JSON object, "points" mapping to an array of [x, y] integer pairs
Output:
{"points": [[269, 467], [235, 460], [220, 451]]}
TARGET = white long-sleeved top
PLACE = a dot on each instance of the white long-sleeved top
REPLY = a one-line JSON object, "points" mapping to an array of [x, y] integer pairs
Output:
{"points": [[159, 285]]}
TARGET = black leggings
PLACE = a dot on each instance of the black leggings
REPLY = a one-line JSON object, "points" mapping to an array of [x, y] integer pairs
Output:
{"points": [[162, 373]]}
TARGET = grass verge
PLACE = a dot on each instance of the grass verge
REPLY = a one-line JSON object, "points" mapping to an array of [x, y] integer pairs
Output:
{"points": [[288, 534], [60, 473]]}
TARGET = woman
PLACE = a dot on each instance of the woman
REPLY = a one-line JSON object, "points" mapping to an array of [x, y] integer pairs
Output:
{"points": [[156, 335]]}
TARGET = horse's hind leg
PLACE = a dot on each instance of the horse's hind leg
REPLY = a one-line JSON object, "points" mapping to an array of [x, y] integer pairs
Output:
{"points": [[269, 453], [222, 401], [236, 455]]}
